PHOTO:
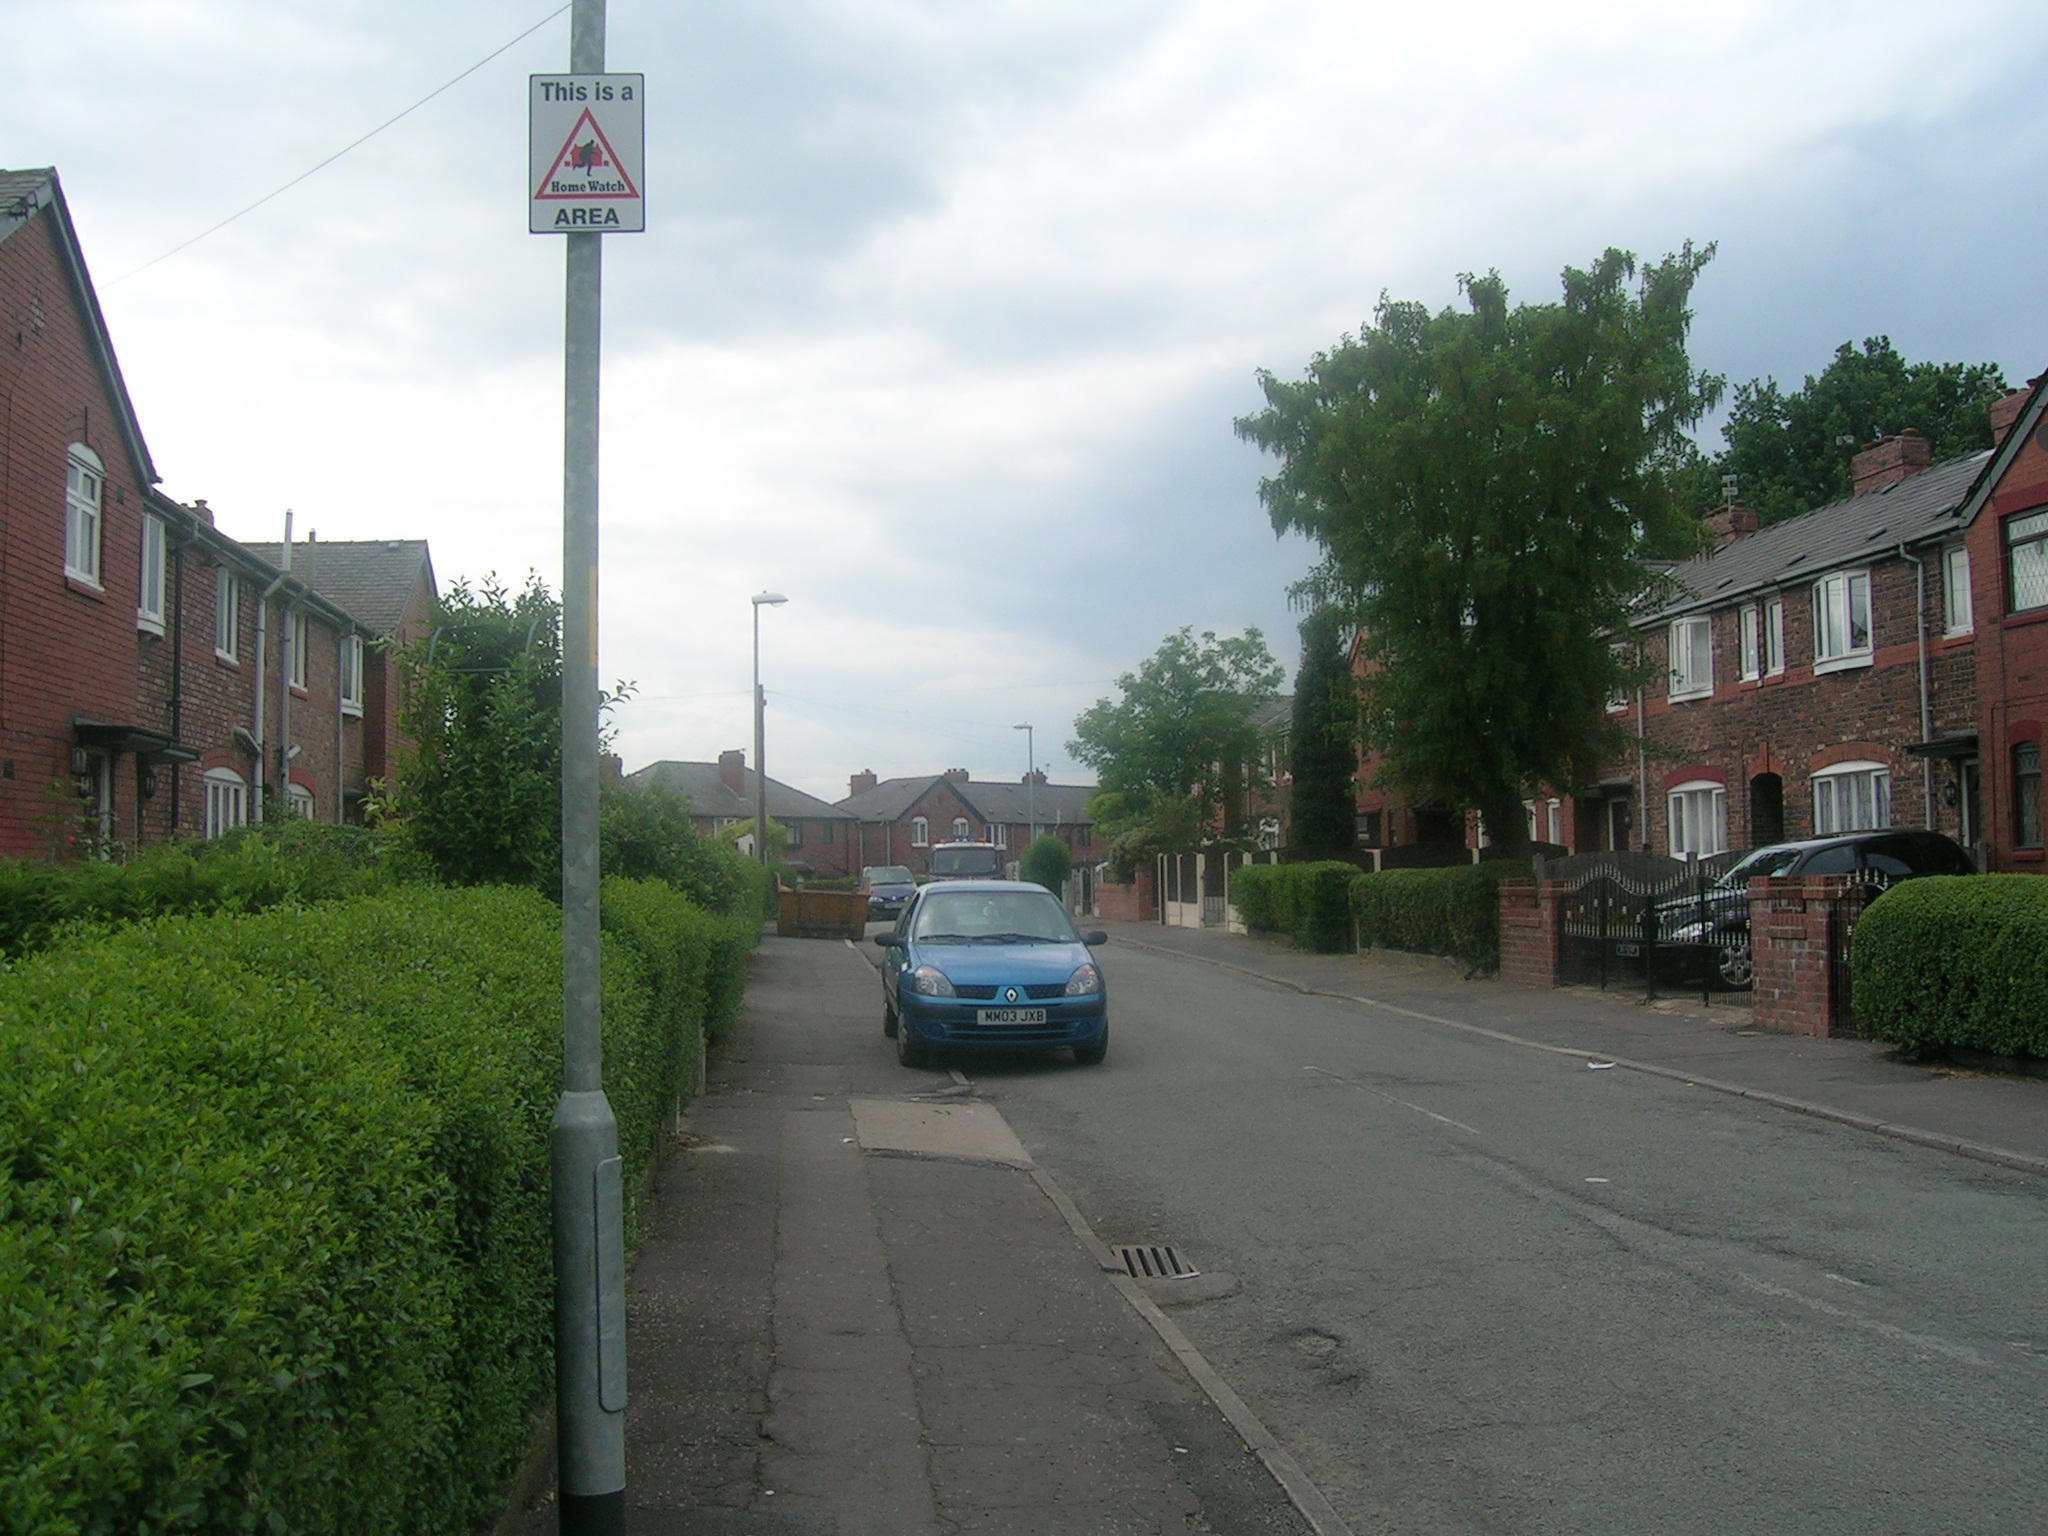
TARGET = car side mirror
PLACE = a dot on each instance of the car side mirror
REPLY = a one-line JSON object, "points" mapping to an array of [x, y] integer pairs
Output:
{"points": [[1094, 937], [887, 940]]}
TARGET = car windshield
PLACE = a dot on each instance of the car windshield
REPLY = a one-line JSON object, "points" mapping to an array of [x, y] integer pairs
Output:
{"points": [[890, 874], [993, 917], [1759, 865], [963, 861]]}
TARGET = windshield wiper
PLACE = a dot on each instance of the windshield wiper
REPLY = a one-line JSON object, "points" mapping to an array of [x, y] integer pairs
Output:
{"points": [[945, 938], [1017, 938]]}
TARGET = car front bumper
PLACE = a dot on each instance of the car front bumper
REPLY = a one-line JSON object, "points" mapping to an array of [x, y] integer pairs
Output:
{"points": [[953, 1021]]}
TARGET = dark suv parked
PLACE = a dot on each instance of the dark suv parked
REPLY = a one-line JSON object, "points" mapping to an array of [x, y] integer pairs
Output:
{"points": [[1878, 859]]}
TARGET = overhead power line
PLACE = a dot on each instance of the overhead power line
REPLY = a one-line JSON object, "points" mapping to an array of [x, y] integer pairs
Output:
{"points": [[266, 197]]}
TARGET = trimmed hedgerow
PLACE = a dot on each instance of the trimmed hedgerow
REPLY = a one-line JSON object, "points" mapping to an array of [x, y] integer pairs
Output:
{"points": [[1307, 902], [1957, 960], [274, 1232], [1453, 911], [248, 871]]}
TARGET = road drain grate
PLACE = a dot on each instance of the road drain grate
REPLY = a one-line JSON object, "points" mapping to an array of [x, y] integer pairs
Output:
{"points": [[1155, 1261]]}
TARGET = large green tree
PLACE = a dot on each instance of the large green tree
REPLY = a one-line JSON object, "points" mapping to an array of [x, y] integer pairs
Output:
{"points": [[1182, 732], [1789, 451], [1485, 483], [1322, 804]]}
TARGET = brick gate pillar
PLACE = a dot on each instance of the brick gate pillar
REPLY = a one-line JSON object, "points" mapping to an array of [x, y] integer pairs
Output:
{"points": [[1789, 938], [1528, 931]]}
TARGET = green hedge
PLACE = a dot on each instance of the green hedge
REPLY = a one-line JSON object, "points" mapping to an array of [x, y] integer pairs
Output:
{"points": [[1307, 902], [274, 1233], [1453, 911], [1957, 960]]}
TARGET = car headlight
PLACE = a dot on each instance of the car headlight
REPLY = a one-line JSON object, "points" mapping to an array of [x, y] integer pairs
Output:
{"points": [[928, 981], [1085, 982]]}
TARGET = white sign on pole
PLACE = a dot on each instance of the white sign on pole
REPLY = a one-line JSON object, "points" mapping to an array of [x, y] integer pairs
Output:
{"points": [[586, 143]]}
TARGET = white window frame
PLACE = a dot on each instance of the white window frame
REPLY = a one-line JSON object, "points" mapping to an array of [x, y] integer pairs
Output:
{"points": [[1957, 614], [1000, 836], [1697, 818], [227, 612], [1693, 680], [1852, 797], [962, 829], [227, 801], [1555, 823], [300, 633], [920, 832], [298, 801], [1774, 637], [1750, 626], [85, 490], [350, 683], [1836, 601], [2025, 538], [149, 596]]}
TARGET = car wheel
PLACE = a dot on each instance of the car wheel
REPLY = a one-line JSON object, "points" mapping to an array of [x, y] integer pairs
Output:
{"points": [[908, 1052], [889, 1025], [1091, 1055], [1738, 965]]}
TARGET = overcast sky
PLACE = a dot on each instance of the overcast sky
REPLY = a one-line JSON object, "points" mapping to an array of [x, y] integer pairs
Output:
{"points": [[946, 306]]}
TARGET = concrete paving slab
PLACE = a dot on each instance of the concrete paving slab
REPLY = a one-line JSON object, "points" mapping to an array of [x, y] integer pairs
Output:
{"points": [[965, 1130]]}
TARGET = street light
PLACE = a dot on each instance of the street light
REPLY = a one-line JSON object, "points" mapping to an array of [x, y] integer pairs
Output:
{"points": [[773, 600], [1030, 780]]}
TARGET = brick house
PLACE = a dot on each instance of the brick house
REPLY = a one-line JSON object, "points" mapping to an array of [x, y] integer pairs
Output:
{"points": [[898, 821], [722, 794], [157, 678], [1994, 760]]}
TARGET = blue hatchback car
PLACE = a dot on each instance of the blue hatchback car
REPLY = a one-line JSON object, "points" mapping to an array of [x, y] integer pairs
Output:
{"points": [[991, 964]]}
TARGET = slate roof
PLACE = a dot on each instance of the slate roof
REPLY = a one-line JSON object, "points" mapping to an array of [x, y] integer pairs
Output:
{"points": [[371, 579], [1003, 803], [2024, 426], [1914, 510], [709, 795]]}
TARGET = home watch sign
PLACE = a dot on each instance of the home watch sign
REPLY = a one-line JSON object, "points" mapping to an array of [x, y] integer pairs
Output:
{"points": [[586, 145]]}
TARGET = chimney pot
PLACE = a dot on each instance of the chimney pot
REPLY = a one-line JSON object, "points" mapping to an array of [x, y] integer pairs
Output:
{"points": [[955, 775], [1729, 523], [1890, 460]]}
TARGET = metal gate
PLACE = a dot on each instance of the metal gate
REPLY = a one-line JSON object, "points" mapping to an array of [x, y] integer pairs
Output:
{"points": [[1844, 912], [1640, 920]]}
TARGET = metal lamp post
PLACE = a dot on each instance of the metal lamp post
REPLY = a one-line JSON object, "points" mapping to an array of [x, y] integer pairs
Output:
{"points": [[1030, 781], [772, 600]]}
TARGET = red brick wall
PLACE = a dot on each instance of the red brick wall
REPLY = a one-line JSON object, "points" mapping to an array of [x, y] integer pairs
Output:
{"points": [[1789, 944], [1133, 903], [2012, 656], [1528, 932]]}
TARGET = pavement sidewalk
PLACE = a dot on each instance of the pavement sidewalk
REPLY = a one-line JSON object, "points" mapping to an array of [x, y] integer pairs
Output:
{"points": [[1992, 1117], [857, 1311]]}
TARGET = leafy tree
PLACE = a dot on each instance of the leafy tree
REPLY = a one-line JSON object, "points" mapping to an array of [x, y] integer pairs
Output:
{"points": [[644, 833], [480, 793], [1790, 452], [1485, 484], [1323, 803], [1135, 831], [1046, 862], [1182, 732]]}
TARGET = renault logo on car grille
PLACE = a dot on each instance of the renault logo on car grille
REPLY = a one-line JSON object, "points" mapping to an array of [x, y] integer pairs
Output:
{"points": [[1009, 994]]}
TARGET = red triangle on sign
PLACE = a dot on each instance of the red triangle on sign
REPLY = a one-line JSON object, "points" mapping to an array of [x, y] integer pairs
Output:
{"points": [[585, 169]]}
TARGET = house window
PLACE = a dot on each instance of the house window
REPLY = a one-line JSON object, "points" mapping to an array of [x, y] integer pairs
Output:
{"points": [[796, 833], [960, 829], [1556, 822], [1692, 658], [227, 801], [1841, 621], [149, 598], [84, 484], [350, 665], [1000, 836], [298, 644], [1774, 636], [1955, 591], [1751, 621], [2026, 794], [298, 801], [227, 612], [920, 832], [2026, 558], [1699, 819], [1852, 797]]}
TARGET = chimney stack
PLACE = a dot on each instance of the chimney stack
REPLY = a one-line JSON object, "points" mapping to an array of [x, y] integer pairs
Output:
{"points": [[2006, 411], [1890, 460], [732, 771], [1729, 523], [862, 782], [955, 775]]}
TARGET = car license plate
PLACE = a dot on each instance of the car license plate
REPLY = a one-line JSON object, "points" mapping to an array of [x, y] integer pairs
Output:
{"points": [[1628, 951], [1009, 1015]]}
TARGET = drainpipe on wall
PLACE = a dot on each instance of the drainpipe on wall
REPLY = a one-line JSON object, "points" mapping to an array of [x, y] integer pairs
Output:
{"points": [[177, 665], [285, 661], [1926, 706], [1643, 768], [262, 627]]}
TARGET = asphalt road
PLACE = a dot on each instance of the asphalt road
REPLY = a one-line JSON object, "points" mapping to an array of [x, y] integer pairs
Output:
{"points": [[1483, 1289]]}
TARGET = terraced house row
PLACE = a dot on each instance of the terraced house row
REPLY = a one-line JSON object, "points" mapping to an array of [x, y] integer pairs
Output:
{"points": [[158, 678]]}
